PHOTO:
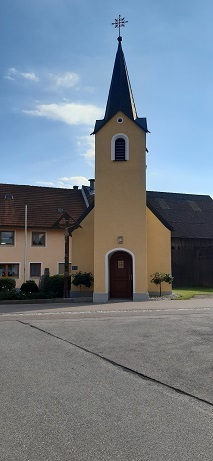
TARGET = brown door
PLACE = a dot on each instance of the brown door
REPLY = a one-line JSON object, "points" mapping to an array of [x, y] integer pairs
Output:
{"points": [[121, 275]]}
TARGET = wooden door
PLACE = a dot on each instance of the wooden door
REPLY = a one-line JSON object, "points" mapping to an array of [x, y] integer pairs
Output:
{"points": [[121, 275]]}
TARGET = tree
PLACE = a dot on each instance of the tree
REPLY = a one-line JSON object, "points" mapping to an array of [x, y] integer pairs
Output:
{"points": [[158, 278], [83, 278]]}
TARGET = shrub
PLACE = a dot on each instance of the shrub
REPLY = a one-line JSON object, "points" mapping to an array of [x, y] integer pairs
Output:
{"points": [[83, 278], [11, 294], [168, 278], [7, 283], [53, 286], [158, 278], [39, 295], [29, 286]]}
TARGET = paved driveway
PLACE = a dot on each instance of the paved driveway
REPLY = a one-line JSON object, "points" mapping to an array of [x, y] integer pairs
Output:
{"points": [[116, 382]]}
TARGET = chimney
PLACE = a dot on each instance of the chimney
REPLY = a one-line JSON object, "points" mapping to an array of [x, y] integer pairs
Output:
{"points": [[75, 187], [92, 185]]}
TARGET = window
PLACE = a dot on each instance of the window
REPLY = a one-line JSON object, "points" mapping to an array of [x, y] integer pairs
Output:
{"points": [[35, 269], [61, 268], [9, 270], [7, 237], [38, 238], [120, 147]]}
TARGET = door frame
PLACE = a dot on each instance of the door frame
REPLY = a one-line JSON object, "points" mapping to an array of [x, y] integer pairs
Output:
{"points": [[107, 267]]}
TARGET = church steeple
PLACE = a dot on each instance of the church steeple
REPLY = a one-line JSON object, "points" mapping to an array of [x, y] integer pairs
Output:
{"points": [[120, 98], [120, 94]]}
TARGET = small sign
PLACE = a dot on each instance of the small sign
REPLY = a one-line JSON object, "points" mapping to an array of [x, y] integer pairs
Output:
{"points": [[74, 268], [120, 264]]}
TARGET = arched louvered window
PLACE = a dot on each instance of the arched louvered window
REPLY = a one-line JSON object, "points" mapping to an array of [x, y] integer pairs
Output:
{"points": [[120, 149]]}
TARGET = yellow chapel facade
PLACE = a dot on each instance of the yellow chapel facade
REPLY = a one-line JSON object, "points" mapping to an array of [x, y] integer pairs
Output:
{"points": [[119, 240]]}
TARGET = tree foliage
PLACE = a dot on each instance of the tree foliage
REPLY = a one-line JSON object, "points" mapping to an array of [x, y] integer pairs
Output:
{"points": [[159, 277], [83, 278]]}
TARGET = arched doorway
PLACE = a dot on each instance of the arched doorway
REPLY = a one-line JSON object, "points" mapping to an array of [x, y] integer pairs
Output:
{"points": [[120, 268]]}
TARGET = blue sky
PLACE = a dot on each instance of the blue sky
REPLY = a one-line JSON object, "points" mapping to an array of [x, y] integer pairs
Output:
{"points": [[57, 58]]}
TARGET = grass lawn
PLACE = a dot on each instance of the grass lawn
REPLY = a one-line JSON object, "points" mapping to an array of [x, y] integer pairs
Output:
{"points": [[187, 293]]}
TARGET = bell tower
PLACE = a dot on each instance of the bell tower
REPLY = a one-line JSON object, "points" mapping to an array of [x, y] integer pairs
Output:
{"points": [[120, 242]]}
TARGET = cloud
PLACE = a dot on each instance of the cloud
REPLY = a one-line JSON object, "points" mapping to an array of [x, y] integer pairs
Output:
{"points": [[45, 183], [67, 80], [13, 74], [70, 113], [68, 182], [29, 76], [65, 183], [87, 143]]}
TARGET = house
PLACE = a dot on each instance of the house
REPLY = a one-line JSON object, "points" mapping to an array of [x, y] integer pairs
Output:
{"points": [[118, 231], [32, 222]]}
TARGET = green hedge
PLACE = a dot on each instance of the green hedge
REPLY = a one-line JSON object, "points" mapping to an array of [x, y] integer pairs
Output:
{"points": [[6, 295], [7, 283], [10, 295], [53, 286]]}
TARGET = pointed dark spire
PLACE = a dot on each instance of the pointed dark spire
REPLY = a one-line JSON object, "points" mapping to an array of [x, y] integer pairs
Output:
{"points": [[120, 94], [120, 98]]}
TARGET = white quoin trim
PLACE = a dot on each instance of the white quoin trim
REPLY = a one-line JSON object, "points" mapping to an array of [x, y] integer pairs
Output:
{"points": [[123, 136], [107, 257]]}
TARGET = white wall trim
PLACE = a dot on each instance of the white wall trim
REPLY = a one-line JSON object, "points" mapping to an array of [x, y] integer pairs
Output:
{"points": [[107, 255], [9, 246], [35, 276], [116, 136], [31, 238], [14, 262]]}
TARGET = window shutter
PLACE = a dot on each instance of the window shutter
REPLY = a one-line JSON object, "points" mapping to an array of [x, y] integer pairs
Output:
{"points": [[120, 149]]}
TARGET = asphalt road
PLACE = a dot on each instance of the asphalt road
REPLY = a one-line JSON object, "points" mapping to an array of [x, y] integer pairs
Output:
{"points": [[122, 381]]}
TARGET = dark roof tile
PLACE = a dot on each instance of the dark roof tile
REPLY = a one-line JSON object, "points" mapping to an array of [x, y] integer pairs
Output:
{"points": [[190, 215]]}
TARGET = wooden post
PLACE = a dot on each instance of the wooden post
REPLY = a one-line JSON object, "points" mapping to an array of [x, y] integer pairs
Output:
{"points": [[66, 262]]}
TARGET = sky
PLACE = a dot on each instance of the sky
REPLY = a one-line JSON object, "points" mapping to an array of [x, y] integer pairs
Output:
{"points": [[56, 63]]}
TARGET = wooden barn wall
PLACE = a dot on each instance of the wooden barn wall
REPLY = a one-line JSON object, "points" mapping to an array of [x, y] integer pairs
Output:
{"points": [[192, 262]]}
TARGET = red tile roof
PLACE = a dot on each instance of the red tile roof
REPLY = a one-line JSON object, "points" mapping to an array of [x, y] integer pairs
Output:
{"points": [[42, 205]]}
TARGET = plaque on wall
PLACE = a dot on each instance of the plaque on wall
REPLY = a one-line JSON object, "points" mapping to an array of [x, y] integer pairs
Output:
{"points": [[120, 264]]}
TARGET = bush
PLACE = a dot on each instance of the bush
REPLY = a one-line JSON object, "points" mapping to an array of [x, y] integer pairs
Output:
{"points": [[11, 294], [7, 283], [39, 295], [83, 278], [29, 286], [53, 286], [158, 278]]}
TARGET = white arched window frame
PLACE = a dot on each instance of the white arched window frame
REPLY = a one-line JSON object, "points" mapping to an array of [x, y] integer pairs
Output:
{"points": [[117, 136]]}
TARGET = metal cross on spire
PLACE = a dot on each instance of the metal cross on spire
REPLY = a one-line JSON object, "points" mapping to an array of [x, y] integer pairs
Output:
{"points": [[120, 22]]}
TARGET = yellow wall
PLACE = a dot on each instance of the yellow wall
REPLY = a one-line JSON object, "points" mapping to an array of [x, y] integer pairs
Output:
{"points": [[83, 248], [49, 256], [159, 251], [120, 200]]}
